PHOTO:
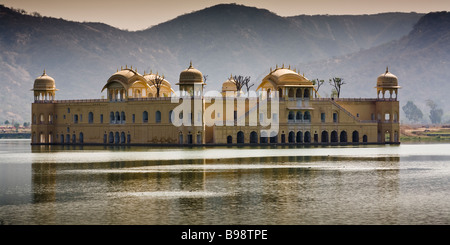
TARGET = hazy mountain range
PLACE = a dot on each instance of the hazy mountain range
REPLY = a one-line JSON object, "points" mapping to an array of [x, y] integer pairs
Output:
{"points": [[222, 40]]}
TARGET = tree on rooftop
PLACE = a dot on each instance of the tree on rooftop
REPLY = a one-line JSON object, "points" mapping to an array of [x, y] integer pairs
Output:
{"points": [[337, 83], [318, 83], [242, 81], [157, 82]]}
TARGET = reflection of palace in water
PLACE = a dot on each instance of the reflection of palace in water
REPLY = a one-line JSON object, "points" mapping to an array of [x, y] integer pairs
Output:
{"points": [[140, 109]]}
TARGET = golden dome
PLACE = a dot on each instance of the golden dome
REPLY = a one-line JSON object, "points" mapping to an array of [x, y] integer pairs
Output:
{"points": [[124, 75], [229, 85], [285, 77], [44, 82], [191, 75], [387, 80]]}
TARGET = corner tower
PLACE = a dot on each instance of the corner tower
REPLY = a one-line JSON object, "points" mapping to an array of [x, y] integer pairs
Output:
{"points": [[387, 86], [191, 82], [387, 107], [43, 110], [44, 88]]}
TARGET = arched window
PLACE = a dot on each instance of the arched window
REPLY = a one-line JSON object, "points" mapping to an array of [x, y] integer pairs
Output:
{"points": [[291, 93], [74, 139], [41, 138], [291, 115], [299, 137], [253, 137], [111, 117], [111, 137], [75, 118], [90, 118], [291, 137], [307, 138], [298, 117], [50, 137], [307, 116], [145, 117], [122, 117], [324, 138], [117, 117], [298, 93], [306, 93], [355, 136], [229, 139], [122, 138], [387, 136], [334, 136], [117, 138], [263, 137], [158, 116], [199, 138], [364, 138], [240, 137], [41, 119], [81, 139], [343, 136]]}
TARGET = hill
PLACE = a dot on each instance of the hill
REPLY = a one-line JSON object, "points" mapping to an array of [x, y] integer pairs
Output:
{"points": [[221, 40], [420, 60]]}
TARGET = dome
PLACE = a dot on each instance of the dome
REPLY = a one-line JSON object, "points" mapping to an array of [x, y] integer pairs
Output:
{"points": [[387, 80], [191, 75], [124, 75], [284, 77], [229, 85], [44, 82]]}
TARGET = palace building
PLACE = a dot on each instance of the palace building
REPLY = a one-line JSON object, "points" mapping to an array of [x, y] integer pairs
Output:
{"points": [[144, 109]]}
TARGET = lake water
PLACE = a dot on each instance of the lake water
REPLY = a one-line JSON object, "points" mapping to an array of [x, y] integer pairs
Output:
{"points": [[398, 184]]}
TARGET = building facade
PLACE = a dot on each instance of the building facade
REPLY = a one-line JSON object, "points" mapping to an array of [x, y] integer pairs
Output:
{"points": [[144, 109]]}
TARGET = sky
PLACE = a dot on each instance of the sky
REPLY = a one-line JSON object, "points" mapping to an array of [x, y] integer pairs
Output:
{"points": [[141, 14]]}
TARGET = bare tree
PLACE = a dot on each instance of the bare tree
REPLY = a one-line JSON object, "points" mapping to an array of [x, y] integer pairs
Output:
{"points": [[242, 81], [318, 83], [157, 82], [337, 82]]}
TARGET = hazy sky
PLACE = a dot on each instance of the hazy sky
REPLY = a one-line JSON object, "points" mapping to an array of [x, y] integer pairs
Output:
{"points": [[141, 14]]}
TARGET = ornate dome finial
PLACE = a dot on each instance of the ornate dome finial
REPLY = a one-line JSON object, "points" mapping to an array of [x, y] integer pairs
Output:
{"points": [[190, 64], [44, 73], [387, 69]]}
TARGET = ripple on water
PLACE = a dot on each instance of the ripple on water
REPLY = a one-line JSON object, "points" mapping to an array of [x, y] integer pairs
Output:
{"points": [[168, 194]]}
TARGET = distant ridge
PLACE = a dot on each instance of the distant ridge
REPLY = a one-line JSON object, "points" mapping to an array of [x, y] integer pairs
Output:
{"points": [[420, 59], [220, 40]]}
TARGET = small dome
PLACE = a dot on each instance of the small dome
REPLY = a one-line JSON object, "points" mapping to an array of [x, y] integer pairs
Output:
{"points": [[229, 85], [387, 80], [44, 82], [191, 75]]}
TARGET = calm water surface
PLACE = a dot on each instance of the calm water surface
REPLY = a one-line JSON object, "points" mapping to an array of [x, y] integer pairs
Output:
{"points": [[402, 184]]}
